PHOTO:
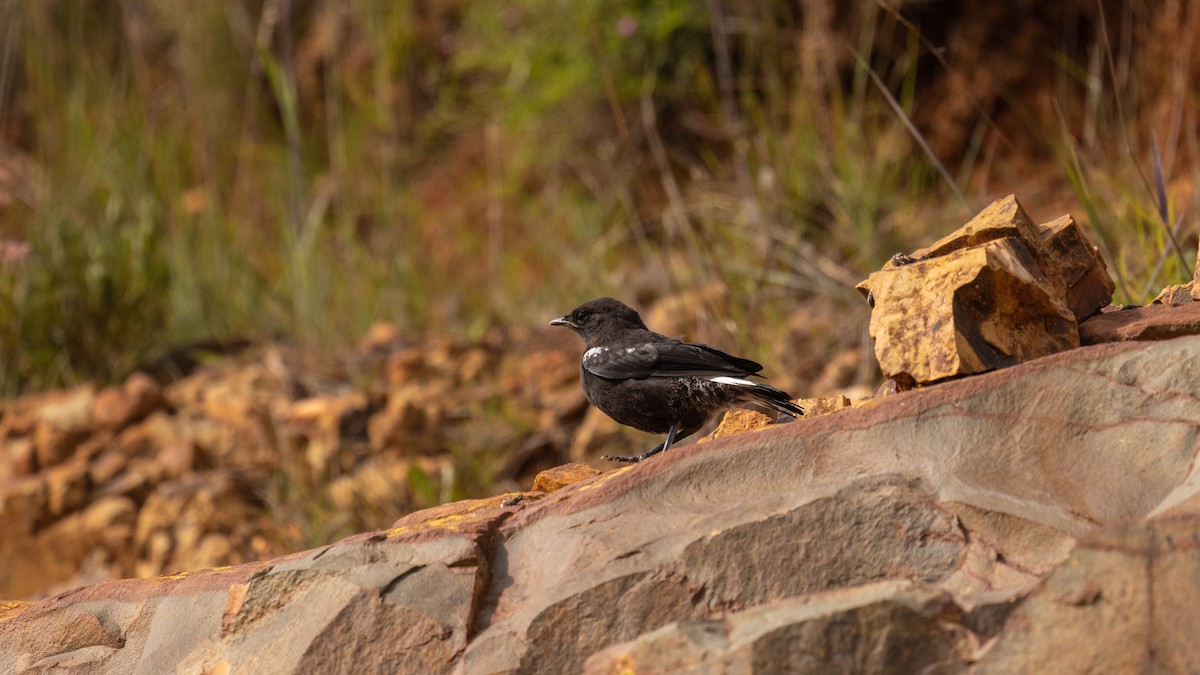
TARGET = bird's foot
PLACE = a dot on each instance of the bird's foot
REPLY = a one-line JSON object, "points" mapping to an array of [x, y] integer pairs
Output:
{"points": [[661, 447], [621, 458], [633, 459]]}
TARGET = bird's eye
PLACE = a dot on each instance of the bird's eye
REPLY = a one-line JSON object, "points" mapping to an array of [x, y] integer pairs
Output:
{"points": [[580, 317]]}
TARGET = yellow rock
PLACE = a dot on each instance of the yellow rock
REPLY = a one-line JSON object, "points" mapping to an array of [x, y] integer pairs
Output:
{"points": [[561, 476], [1078, 262], [996, 292], [739, 421]]}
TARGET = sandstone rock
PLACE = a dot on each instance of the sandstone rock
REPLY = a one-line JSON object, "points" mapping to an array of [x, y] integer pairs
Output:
{"points": [[996, 292], [887, 627], [320, 420], [1179, 294], [1043, 489], [118, 407], [737, 422], [53, 444], [1129, 594], [11, 608], [1002, 219], [267, 432], [562, 476], [159, 438], [111, 521], [973, 309], [1153, 322], [69, 411], [815, 407], [913, 530], [409, 411], [66, 486], [17, 458], [1084, 273]]}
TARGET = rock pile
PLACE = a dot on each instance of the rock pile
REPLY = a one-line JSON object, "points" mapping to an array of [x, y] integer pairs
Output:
{"points": [[247, 459], [997, 291]]}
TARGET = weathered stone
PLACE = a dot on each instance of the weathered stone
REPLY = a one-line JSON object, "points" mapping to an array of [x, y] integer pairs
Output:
{"points": [[17, 458], [815, 407], [110, 520], [1002, 219], [974, 309], [66, 486], [53, 444], [562, 476], [906, 534], [409, 410], [995, 292], [1178, 294], [1153, 322], [163, 440], [68, 411], [1129, 594], [118, 407], [1079, 263], [886, 627], [739, 421], [628, 522], [49, 642], [320, 420]]}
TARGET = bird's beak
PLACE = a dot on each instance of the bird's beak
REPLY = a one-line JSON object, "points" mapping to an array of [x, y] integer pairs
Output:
{"points": [[563, 321]]}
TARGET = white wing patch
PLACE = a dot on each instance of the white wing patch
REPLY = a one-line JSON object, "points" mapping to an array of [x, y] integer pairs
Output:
{"points": [[594, 352], [736, 381]]}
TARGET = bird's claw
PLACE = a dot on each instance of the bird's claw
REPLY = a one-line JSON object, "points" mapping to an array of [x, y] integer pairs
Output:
{"points": [[620, 458]]}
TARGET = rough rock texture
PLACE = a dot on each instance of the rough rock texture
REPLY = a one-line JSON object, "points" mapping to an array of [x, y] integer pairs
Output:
{"points": [[1069, 255], [1152, 322], [561, 476], [231, 462], [982, 523], [996, 292], [1178, 294], [885, 627]]}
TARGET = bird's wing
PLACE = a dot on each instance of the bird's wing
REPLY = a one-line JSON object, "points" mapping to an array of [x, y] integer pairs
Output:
{"points": [[677, 359], [664, 359], [621, 363]]}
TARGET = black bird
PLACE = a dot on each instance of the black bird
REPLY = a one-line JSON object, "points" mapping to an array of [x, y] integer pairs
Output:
{"points": [[659, 384]]}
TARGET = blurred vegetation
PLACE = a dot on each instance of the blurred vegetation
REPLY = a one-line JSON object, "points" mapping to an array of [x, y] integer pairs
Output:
{"points": [[185, 171]]}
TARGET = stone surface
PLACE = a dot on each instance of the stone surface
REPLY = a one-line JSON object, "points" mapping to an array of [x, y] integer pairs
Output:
{"points": [[976, 308], [738, 422], [977, 524], [1179, 294], [562, 476], [996, 292], [1088, 286], [118, 407], [886, 627], [1130, 592], [1152, 322], [1002, 219]]}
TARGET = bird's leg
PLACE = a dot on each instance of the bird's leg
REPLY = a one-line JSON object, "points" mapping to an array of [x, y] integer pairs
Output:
{"points": [[661, 447]]}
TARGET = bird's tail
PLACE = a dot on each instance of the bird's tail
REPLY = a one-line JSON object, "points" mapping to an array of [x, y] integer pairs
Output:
{"points": [[776, 399]]}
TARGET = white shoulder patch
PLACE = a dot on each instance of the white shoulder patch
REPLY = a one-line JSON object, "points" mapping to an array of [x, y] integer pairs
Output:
{"points": [[593, 353], [736, 381]]}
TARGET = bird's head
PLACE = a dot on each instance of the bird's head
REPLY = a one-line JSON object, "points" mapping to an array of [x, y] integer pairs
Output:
{"points": [[598, 317]]}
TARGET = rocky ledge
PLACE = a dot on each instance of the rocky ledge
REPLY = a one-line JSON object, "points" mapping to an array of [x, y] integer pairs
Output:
{"points": [[1042, 518]]}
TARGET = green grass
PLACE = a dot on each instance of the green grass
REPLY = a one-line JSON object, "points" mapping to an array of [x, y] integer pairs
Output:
{"points": [[221, 169]]}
